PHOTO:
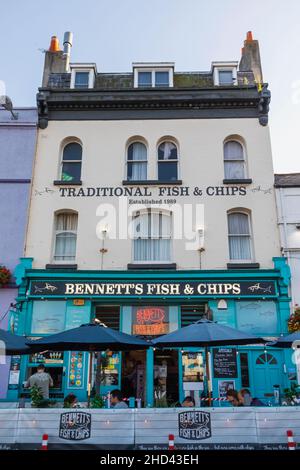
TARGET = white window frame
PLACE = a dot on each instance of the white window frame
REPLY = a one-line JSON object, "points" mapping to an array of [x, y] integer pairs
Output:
{"points": [[245, 160], [62, 161], [138, 141], [168, 161], [168, 67], [152, 211], [56, 232], [252, 258], [90, 68], [224, 67]]}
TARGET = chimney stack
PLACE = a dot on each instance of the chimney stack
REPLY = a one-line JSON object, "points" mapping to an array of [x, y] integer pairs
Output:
{"points": [[56, 60], [250, 60]]}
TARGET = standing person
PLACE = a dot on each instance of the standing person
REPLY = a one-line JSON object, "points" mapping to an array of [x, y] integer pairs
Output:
{"points": [[233, 398], [247, 400], [42, 380], [116, 399]]}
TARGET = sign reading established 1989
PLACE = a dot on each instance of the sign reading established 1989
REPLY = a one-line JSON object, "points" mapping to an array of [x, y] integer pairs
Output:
{"points": [[152, 289]]}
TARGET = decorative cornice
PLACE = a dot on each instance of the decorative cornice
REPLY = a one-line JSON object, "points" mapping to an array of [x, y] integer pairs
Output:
{"points": [[66, 104]]}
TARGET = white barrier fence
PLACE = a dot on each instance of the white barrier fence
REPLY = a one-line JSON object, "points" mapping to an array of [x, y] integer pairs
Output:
{"points": [[149, 428]]}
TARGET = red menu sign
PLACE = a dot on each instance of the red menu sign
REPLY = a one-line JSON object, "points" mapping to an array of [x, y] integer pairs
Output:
{"points": [[150, 321]]}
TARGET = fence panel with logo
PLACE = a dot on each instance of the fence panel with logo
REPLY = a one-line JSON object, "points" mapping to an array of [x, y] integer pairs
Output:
{"points": [[196, 428], [199, 428]]}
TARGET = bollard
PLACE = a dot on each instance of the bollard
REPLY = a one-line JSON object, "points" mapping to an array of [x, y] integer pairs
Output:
{"points": [[291, 442], [171, 442], [45, 442]]}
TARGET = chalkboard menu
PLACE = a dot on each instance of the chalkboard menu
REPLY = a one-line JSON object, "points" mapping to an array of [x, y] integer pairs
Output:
{"points": [[224, 362]]}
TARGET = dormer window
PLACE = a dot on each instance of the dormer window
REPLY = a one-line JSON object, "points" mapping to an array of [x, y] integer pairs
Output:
{"points": [[153, 75], [82, 76], [224, 73]]}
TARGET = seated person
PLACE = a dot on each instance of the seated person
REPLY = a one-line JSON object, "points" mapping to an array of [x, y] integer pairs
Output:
{"points": [[246, 399], [71, 401], [188, 402], [116, 399], [233, 398]]}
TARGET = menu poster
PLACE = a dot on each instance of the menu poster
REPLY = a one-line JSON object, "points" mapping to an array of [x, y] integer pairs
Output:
{"points": [[76, 370], [192, 363], [224, 386], [14, 373], [77, 315], [225, 362]]}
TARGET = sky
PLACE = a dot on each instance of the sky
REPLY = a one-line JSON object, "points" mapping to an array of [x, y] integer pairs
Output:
{"points": [[191, 33]]}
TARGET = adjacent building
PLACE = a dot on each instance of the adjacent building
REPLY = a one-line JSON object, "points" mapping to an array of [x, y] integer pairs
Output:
{"points": [[17, 150], [152, 206]]}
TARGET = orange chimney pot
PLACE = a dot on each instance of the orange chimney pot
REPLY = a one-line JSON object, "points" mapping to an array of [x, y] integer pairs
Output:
{"points": [[249, 36], [54, 44]]}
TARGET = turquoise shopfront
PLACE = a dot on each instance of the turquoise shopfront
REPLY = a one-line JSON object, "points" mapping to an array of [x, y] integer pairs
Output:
{"points": [[150, 303]]}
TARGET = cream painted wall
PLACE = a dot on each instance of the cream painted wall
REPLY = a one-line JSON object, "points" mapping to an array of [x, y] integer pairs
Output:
{"points": [[201, 165]]}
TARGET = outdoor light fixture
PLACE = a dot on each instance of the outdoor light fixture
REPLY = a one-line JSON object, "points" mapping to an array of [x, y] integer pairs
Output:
{"points": [[298, 226]]}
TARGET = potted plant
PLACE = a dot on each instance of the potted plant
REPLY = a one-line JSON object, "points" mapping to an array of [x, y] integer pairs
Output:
{"points": [[5, 275], [97, 402], [37, 400], [291, 395]]}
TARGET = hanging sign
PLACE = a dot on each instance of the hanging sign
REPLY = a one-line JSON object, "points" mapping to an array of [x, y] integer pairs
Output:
{"points": [[150, 321]]}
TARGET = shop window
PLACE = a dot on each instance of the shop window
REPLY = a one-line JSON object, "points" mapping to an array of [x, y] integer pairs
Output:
{"points": [[190, 314], [152, 237], [257, 317], [137, 162], [65, 236], [245, 379], [239, 235], [109, 315], [234, 160], [71, 162], [48, 317], [167, 162], [266, 358]]}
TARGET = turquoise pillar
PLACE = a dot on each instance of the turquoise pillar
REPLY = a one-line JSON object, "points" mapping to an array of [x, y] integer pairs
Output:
{"points": [[150, 378]]}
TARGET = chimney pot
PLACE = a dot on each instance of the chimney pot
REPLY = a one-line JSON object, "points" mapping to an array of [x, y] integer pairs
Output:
{"points": [[249, 36], [54, 44]]}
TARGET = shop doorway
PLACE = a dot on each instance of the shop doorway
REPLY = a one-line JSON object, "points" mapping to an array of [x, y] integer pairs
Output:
{"points": [[134, 375], [166, 378]]}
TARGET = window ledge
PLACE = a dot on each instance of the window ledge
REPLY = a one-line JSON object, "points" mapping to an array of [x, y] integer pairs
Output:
{"points": [[243, 265], [61, 266], [148, 266], [237, 181], [151, 183], [67, 183]]}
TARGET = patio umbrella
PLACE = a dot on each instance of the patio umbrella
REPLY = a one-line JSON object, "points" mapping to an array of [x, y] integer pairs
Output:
{"points": [[13, 344], [286, 341], [206, 333], [89, 337]]}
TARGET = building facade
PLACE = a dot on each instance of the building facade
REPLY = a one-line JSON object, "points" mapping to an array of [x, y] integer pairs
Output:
{"points": [[17, 149], [152, 206]]}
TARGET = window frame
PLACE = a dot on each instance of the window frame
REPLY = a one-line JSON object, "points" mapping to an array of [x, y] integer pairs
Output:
{"points": [[62, 161], [127, 161], [245, 159], [250, 236], [153, 68], [224, 67], [164, 141], [56, 232], [91, 69], [148, 212]]}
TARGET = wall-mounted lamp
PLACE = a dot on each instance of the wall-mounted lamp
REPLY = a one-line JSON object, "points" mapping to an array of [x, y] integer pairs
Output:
{"points": [[298, 226]]}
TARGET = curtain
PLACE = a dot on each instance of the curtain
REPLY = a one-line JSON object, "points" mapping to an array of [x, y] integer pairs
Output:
{"points": [[66, 236], [152, 237], [167, 151], [239, 236], [137, 162], [234, 160]]}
